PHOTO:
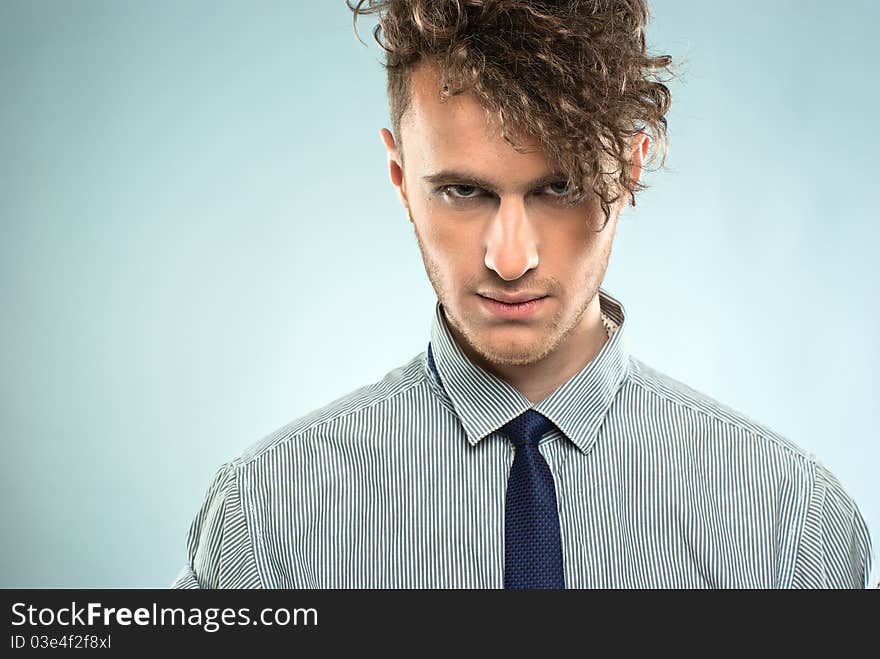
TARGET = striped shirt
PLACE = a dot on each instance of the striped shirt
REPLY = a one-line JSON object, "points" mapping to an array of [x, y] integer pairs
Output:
{"points": [[401, 484]]}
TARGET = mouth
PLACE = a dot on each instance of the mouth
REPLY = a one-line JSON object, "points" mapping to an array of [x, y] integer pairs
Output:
{"points": [[524, 307]]}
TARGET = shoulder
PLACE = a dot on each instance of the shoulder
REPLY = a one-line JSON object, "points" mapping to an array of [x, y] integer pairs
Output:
{"points": [[369, 399], [833, 547], [690, 413]]}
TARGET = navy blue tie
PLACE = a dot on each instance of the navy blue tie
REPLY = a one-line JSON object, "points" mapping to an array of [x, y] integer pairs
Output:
{"points": [[532, 542]]}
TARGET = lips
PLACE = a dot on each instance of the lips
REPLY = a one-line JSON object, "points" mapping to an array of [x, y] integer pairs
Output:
{"points": [[517, 298], [529, 306]]}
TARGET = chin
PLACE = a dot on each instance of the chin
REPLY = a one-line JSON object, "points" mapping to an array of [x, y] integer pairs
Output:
{"points": [[504, 359], [504, 345], [511, 352]]}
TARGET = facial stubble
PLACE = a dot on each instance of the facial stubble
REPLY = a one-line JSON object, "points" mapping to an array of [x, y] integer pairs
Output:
{"points": [[515, 353]]}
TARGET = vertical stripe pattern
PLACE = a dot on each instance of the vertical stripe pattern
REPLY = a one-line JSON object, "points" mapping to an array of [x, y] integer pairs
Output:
{"points": [[401, 484]]}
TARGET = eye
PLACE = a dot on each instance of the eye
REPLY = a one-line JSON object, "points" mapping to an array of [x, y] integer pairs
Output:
{"points": [[460, 191], [557, 188]]}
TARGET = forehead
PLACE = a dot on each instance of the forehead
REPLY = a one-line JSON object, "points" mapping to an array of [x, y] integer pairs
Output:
{"points": [[457, 133]]}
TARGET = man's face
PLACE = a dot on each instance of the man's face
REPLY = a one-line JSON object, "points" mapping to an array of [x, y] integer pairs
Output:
{"points": [[490, 223]]}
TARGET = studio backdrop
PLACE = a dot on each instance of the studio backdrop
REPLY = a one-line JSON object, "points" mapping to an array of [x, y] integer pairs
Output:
{"points": [[200, 244]]}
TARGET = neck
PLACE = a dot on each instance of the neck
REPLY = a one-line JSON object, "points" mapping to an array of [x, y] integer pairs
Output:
{"points": [[538, 380]]}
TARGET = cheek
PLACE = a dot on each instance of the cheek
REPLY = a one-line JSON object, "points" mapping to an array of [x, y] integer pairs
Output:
{"points": [[444, 253], [453, 239], [568, 249], [574, 256]]}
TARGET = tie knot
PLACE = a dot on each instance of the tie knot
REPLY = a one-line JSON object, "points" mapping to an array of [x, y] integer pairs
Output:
{"points": [[527, 428]]}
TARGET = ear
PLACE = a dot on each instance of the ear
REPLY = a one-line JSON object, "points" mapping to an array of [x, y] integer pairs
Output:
{"points": [[395, 167], [640, 144]]}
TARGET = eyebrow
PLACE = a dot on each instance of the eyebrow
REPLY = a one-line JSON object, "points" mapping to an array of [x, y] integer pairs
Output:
{"points": [[462, 177]]}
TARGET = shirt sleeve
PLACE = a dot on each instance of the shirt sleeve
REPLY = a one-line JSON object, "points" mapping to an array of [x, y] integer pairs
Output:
{"points": [[835, 547], [219, 550]]}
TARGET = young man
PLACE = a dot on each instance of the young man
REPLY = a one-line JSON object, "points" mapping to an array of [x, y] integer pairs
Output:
{"points": [[525, 448]]}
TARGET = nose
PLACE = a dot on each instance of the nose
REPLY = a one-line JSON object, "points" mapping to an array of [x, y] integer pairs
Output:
{"points": [[511, 242]]}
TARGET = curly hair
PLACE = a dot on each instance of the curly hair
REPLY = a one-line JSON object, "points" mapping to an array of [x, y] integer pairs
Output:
{"points": [[574, 72]]}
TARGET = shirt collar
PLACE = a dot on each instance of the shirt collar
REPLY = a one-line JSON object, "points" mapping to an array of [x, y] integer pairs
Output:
{"points": [[485, 402]]}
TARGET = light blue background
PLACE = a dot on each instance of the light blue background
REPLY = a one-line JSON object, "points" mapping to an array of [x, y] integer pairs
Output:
{"points": [[200, 244]]}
